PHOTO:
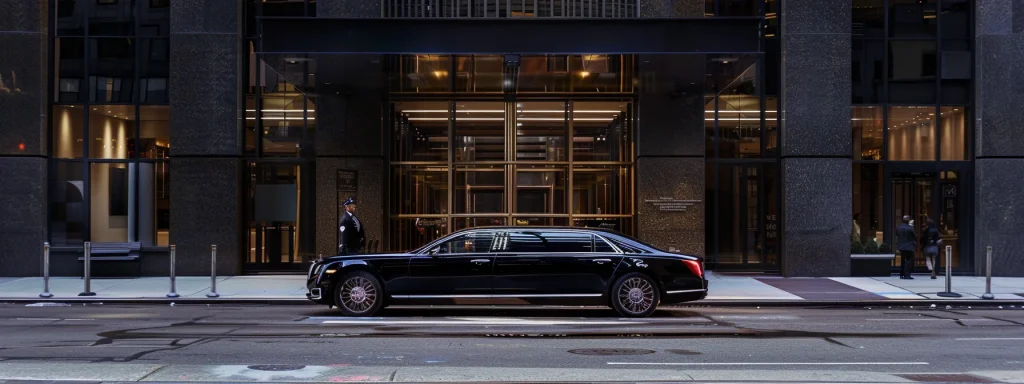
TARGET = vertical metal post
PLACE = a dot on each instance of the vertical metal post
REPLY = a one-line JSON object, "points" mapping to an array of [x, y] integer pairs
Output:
{"points": [[87, 260], [949, 274], [213, 272], [988, 274], [46, 271], [174, 288]]}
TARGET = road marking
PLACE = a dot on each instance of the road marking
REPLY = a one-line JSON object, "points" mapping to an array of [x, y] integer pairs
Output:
{"points": [[989, 338], [862, 363], [479, 322], [37, 319], [911, 319]]}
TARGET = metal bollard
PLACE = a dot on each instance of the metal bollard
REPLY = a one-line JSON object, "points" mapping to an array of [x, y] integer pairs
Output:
{"points": [[174, 290], [988, 274], [88, 271], [213, 272], [949, 275], [46, 272]]}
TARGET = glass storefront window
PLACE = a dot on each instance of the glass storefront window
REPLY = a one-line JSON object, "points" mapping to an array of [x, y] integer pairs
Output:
{"points": [[411, 233], [912, 71], [738, 105], [281, 228], [549, 73], [479, 131], [953, 133], [524, 221], [867, 133], [422, 73], [912, 18], [289, 118], [480, 190], [112, 69], [602, 131], [68, 132], [867, 79], [868, 18], [67, 203], [957, 71], [540, 189], [911, 133], [154, 132], [602, 190], [420, 190], [470, 222], [154, 70], [111, 127], [868, 219], [956, 18], [69, 70], [108, 202], [479, 73], [541, 130], [420, 131]]}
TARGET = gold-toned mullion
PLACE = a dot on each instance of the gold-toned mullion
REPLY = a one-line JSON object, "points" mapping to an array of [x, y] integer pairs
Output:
{"points": [[571, 189]]}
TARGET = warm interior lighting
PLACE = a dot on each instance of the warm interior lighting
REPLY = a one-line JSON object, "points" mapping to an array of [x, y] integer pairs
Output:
{"points": [[280, 110], [502, 111], [503, 119], [440, 74], [584, 73]]}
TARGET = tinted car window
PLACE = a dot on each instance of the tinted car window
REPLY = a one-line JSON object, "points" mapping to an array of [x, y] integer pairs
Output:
{"points": [[475, 242], [602, 246], [553, 242], [627, 248]]}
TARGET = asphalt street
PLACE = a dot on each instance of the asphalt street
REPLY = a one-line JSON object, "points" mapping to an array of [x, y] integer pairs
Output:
{"points": [[119, 342]]}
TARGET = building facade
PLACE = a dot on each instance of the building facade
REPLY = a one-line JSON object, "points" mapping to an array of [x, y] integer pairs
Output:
{"points": [[774, 136]]}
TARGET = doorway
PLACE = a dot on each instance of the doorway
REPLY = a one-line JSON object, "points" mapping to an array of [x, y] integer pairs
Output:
{"points": [[743, 216], [939, 196]]}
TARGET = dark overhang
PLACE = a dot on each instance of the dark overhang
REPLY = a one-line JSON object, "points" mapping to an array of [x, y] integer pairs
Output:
{"points": [[509, 35]]}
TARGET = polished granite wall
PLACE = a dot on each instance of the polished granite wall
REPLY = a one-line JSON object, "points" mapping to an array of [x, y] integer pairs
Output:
{"points": [[206, 135], [670, 151], [815, 142], [999, 142], [23, 138]]}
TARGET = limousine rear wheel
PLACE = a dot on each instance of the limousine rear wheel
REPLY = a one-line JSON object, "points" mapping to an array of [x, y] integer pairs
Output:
{"points": [[635, 295], [359, 293]]}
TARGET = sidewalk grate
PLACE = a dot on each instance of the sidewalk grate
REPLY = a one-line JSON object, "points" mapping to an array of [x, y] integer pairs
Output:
{"points": [[946, 378]]}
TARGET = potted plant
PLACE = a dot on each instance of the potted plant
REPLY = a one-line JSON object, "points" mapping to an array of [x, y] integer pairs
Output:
{"points": [[870, 258]]}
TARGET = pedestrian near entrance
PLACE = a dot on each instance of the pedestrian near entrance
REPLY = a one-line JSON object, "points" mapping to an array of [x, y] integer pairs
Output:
{"points": [[931, 240], [351, 237], [906, 243]]}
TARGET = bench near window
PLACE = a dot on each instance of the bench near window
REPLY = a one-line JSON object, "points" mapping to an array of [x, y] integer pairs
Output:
{"points": [[114, 252]]}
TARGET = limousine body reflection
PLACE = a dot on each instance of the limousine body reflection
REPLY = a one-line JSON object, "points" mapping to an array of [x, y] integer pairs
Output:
{"points": [[512, 265]]}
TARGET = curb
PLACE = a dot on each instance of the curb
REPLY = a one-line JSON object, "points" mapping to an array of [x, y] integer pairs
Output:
{"points": [[924, 303]]}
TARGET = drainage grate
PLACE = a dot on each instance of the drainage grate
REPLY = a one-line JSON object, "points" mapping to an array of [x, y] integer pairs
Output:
{"points": [[946, 378], [611, 352], [276, 367]]}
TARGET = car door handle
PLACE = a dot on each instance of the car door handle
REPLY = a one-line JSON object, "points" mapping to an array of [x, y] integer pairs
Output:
{"points": [[480, 261], [602, 261]]}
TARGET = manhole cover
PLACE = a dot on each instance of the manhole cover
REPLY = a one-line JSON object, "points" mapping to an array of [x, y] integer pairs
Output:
{"points": [[611, 352], [682, 352], [276, 368]]}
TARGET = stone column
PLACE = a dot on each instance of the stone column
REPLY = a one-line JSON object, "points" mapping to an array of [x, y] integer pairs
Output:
{"points": [[999, 144], [350, 132], [816, 145], [206, 140], [23, 146], [670, 151]]}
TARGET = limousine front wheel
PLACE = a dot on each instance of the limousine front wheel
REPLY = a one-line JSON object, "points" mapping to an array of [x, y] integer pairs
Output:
{"points": [[635, 295], [359, 293]]}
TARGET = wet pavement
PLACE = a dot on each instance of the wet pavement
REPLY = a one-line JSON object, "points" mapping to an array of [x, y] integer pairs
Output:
{"points": [[308, 343]]}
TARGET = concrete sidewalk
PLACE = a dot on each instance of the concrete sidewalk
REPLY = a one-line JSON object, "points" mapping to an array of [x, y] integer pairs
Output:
{"points": [[724, 288]]}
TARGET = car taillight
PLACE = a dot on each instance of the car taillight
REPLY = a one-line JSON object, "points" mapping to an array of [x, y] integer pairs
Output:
{"points": [[695, 267]]}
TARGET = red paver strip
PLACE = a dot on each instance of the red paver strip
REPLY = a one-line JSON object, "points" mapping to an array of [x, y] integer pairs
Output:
{"points": [[820, 289]]}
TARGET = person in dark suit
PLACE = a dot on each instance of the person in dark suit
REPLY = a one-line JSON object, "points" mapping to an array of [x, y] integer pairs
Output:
{"points": [[906, 243], [351, 237]]}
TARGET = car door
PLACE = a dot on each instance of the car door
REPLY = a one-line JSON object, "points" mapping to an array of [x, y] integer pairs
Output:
{"points": [[461, 266], [555, 263]]}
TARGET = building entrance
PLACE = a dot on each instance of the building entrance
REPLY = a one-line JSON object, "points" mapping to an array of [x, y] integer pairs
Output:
{"points": [[464, 163], [937, 196]]}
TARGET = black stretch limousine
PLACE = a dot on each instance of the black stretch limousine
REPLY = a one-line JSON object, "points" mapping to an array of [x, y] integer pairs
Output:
{"points": [[519, 265]]}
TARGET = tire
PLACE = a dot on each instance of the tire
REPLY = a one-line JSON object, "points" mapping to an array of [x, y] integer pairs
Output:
{"points": [[635, 295], [358, 293]]}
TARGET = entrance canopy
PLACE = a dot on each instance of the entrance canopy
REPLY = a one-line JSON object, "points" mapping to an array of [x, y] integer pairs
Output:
{"points": [[510, 35]]}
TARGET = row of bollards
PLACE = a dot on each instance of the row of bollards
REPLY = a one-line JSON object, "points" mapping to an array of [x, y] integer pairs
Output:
{"points": [[87, 276], [949, 275]]}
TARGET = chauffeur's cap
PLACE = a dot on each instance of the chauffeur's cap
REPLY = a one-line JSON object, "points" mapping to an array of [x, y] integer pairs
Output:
{"points": [[348, 202]]}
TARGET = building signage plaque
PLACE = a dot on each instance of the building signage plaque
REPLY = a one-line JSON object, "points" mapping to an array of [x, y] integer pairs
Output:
{"points": [[668, 204]]}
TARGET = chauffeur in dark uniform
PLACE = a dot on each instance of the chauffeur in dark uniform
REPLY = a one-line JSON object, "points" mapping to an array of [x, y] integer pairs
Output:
{"points": [[351, 237]]}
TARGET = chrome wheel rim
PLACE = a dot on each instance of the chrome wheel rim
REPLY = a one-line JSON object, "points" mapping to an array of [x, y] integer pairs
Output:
{"points": [[358, 294], [636, 295]]}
